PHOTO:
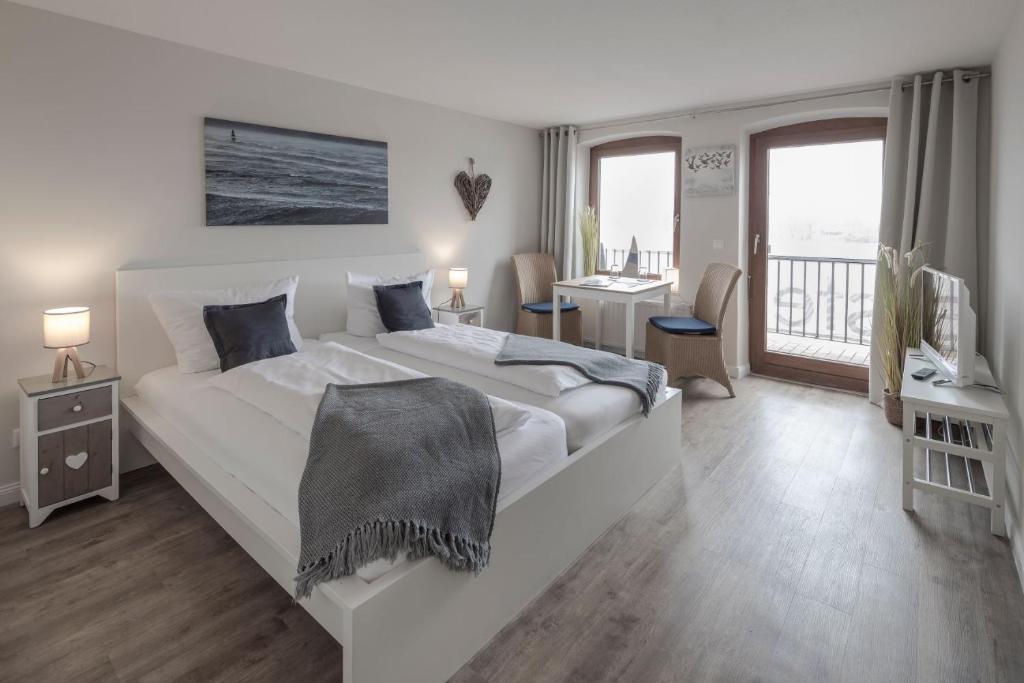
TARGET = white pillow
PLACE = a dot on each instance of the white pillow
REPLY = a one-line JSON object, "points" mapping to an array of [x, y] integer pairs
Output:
{"points": [[363, 319], [181, 314]]}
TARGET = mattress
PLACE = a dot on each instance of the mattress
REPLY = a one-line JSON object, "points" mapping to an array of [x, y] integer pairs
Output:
{"points": [[268, 458], [588, 411]]}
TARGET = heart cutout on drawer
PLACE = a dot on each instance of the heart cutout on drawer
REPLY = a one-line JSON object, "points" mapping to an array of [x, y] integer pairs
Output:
{"points": [[76, 460]]}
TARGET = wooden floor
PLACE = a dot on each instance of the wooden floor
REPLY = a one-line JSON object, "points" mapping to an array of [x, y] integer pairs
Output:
{"points": [[777, 551], [148, 588], [822, 349]]}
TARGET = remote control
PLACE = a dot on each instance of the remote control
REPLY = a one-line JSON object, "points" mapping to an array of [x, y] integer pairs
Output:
{"points": [[923, 373]]}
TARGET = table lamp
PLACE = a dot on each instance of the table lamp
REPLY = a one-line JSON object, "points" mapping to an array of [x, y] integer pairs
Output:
{"points": [[458, 278], [65, 329], [672, 275]]}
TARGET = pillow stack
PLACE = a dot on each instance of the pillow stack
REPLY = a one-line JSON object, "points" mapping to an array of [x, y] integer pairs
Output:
{"points": [[182, 316]]}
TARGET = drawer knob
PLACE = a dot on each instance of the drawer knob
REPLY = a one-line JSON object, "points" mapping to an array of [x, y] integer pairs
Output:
{"points": [[77, 408], [44, 471]]}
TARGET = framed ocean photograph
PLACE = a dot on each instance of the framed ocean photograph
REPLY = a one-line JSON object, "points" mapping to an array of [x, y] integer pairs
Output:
{"points": [[261, 175]]}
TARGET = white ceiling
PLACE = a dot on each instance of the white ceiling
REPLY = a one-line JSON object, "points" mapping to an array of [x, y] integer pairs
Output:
{"points": [[538, 62]]}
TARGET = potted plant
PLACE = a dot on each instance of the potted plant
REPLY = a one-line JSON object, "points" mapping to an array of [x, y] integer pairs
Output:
{"points": [[899, 295], [589, 234]]}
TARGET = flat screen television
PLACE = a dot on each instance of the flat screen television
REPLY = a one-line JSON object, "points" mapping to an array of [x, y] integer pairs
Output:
{"points": [[948, 326]]}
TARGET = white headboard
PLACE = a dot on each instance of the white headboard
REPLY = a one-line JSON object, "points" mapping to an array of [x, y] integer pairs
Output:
{"points": [[320, 299]]}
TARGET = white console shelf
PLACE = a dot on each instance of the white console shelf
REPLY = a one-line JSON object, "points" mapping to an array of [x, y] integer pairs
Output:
{"points": [[967, 423]]}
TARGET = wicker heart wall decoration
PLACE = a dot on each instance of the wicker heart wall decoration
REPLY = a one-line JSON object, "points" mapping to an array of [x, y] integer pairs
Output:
{"points": [[473, 189]]}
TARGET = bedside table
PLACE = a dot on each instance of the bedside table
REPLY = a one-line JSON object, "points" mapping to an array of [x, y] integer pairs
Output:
{"points": [[68, 441], [468, 315]]}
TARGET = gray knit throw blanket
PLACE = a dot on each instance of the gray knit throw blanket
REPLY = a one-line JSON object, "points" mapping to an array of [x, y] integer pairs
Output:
{"points": [[398, 467], [602, 367]]}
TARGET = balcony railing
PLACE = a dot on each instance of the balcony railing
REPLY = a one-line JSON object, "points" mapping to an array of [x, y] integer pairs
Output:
{"points": [[654, 261], [821, 298]]}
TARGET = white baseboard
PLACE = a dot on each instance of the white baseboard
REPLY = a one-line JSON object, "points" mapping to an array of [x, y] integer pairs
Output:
{"points": [[739, 371], [10, 493], [1016, 548], [1013, 523]]}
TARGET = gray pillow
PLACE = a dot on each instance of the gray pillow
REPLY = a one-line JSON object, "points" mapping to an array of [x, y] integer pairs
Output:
{"points": [[243, 333], [402, 307]]}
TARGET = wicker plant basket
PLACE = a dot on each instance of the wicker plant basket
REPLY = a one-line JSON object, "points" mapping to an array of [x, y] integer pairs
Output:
{"points": [[893, 408]]}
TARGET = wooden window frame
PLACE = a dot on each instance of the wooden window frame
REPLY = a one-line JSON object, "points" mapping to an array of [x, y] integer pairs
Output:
{"points": [[763, 362], [651, 144]]}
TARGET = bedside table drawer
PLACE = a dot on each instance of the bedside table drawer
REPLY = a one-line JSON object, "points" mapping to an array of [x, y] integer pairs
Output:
{"points": [[74, 462], [471, 315], [70, 408], [473, 318]]}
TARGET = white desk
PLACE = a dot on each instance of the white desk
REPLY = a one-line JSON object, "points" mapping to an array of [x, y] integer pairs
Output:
{"points": [[618, 293], [985, 417]]}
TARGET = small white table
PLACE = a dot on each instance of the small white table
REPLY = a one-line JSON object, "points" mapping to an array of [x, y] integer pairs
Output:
{"points": [[618, 292], [971, 423]]}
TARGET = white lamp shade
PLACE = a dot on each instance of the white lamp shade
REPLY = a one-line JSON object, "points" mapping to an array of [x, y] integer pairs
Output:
{"points": [[65, 327], [672, 275], [458, 278]]}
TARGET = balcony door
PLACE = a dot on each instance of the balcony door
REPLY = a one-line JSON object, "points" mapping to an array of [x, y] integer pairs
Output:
{"points": [[815, 201]]}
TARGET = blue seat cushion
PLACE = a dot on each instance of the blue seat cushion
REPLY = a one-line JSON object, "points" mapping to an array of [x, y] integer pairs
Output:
{"points": [[547, 307], [682, 325]]}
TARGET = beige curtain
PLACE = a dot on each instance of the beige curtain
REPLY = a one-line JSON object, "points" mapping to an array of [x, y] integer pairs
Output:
{"points": [[558, 199], [929, 184]]}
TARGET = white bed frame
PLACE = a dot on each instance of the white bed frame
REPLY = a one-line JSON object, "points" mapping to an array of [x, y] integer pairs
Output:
{"points": [[419, 621]]}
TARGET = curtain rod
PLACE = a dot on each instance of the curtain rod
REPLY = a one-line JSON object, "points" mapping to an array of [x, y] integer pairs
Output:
{"points": [[770, 103], [949, 79]]}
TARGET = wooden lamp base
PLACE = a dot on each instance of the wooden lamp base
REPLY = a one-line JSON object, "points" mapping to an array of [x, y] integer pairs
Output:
{"points": [[60, 364], [458, 301]]}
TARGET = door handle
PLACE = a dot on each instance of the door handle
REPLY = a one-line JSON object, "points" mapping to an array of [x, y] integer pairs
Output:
{"points": [[757, 241]]}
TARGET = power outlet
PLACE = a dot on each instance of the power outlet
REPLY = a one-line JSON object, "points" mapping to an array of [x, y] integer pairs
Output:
{"points": [[718, 245], [15, 437]]}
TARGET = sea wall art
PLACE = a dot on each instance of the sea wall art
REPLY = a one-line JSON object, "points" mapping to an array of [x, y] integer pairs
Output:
{"points": [[262, 175]]}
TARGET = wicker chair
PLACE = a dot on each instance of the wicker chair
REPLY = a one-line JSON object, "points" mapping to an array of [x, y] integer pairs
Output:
{"points": [[693, 347], [535, 273]]}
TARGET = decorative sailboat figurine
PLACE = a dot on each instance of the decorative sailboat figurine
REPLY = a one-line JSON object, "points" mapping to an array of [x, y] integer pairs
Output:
{"points": [[632, 267], [233, 137]]}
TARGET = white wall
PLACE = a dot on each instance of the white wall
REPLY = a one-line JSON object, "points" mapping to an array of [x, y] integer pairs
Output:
{"points": [[101, 166], [1004, 329], [705, 219]]}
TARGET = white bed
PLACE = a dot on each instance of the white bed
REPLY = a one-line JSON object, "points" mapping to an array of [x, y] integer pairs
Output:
{"points": [[418, 621], [268, 458], [589, 411]]}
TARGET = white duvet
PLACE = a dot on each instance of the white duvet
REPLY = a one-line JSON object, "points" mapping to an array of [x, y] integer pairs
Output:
{"points": [[474, 349], [289, 388]]}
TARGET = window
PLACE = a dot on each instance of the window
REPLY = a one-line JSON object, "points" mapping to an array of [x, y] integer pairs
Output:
{"points": [[634, 186], [824, 199]]}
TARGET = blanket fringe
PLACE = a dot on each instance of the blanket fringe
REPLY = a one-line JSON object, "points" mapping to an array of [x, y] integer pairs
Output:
{"points": [[654, 372], [385, 539]]}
